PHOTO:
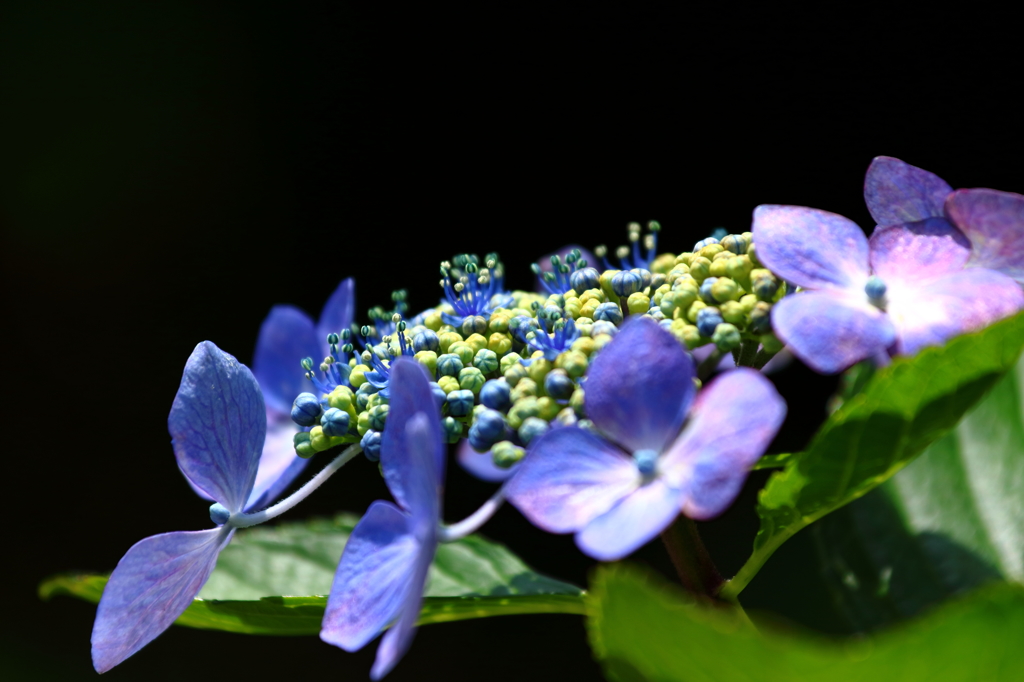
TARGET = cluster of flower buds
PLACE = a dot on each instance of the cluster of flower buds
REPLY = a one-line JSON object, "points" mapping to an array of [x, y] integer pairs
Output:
{"points": [[506, 365]]}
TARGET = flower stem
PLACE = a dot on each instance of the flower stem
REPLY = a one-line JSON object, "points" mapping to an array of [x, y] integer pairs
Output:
{"points": [[746, 357], [472, 523], [242, 520], [692, 562]]}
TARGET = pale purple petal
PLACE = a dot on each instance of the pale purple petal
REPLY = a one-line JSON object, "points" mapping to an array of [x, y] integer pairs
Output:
{"points": [[279, 465], [640, 386], [481, 465], [152, 585], [829, 332], [377, 569], [811, 248], [941, 308], [928, 248], [994, 222], [337, 313], [217, 424], [286, 337], [396, 641], [568, 477], [731, 425], [630, 524], [414, 483], [897, 192]]}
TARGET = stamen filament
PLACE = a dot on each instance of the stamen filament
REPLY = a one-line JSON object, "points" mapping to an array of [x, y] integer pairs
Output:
{"points": [[474, 521]]}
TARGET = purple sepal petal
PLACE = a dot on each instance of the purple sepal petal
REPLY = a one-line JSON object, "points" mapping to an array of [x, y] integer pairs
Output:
{"points": [[956, 303], [396, 641], [811, 248], [286, 337], [152, 585], [569, 477], [731, 424], [897, 192], [279, 465], [829, 332], [914, 251], [218, 423], [414, 484], [337, 314], [640, 386], [481, 465], [994, 222], [630, 524], [377, 569]]}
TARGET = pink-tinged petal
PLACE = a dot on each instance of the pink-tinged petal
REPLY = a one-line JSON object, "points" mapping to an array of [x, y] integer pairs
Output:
{"points": [[914, 251], [279, 465], [377, 570], [286, 337], [568, 477], [152, 585], [897, 192], [218, 422], [994, 222], [481, 465], [337, 313], [414, 483], [396, 641], [632, 523], [830, 333], [731, 425], [811, 248], [938, 309], [640, 386]]}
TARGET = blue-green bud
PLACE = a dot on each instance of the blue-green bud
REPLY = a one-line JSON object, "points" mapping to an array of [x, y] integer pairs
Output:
{"points": [[736, 243], [486, 361], [608, 312], [460, 403], [708, 320], [764, 284], [449, 365], [626, 282], [378, 413], [219, 514], [474, 325], [761, 317], [363, 394], [335, 422], [726, 337], [426, 340], [371, 445], [303, 448], [487, 429], [471, 379], [495, 394], [531, 428], [585, 279], [452, 429], [706, 293], [440, 397], [558, 385], [306, 410]]}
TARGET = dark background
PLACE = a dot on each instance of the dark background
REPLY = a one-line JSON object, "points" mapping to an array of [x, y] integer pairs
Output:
{"points": [[172, 170]]}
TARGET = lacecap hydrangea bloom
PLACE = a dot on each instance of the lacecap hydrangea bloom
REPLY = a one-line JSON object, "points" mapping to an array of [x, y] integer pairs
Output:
{"points": [[993, 221], [904, 289], [620, 486]]}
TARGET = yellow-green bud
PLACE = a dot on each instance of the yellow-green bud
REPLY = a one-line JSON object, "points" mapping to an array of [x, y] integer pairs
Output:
{"points": [[446, 339], [525, 387], [507, 361], [433, 321], [771, 343], [341, 397], [724, 289], [357, 377], [606, 285], [660, 292], [499, 343], [748, 302], [663, 263], [486, 361], [732, 312], [538, 369], [547, 408], [471, 379], [710, 250], [638, 303], [448, 384], [576, 402], [695, 307], [522, 409], [303, 448], [574, 362], [514, 374], [592, 295], [584, 345], [700, 268], [752, 255], [477, 342], [726, 337], [498, 323], [464, 351], [684, 258], [428, 359], [362, 424]]}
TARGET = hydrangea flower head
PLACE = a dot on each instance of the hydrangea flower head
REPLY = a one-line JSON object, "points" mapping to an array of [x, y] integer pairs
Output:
{"points": [[902, 290], [383, 569], [218, 425], [659, 451], [993, 221]]}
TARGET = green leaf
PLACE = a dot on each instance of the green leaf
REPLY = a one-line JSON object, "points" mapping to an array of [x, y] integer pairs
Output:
{"points": [[644, 629], [902, 409], [952, 520], [471, 578]]}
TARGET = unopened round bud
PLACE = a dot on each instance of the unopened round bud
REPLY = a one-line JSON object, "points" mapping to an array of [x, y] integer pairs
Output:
{"points": [[604, 327], [531, 428], [449, 365], [378, 414], [706, 290], [761, 317], [735, 243], [771, 343], [707, 320], [726, 337], [426, 340], [440, 396], [371, 445], [505, 454], [460, 403], [700, 268], [306, 410], [558, 385], [471, 379], [764, 284], [638, 303], [474, 325], [724, 289], [452, 429], [609, 312], [495, 394], [704, 242], [448, 384], [335, 422], [488, 428], [303, 448], [585, 279], [486, 361]]}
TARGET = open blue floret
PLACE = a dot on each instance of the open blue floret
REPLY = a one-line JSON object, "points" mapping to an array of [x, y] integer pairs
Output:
{"points": [[334, 369], [380, 375], [473, 291], [552, 344]]}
